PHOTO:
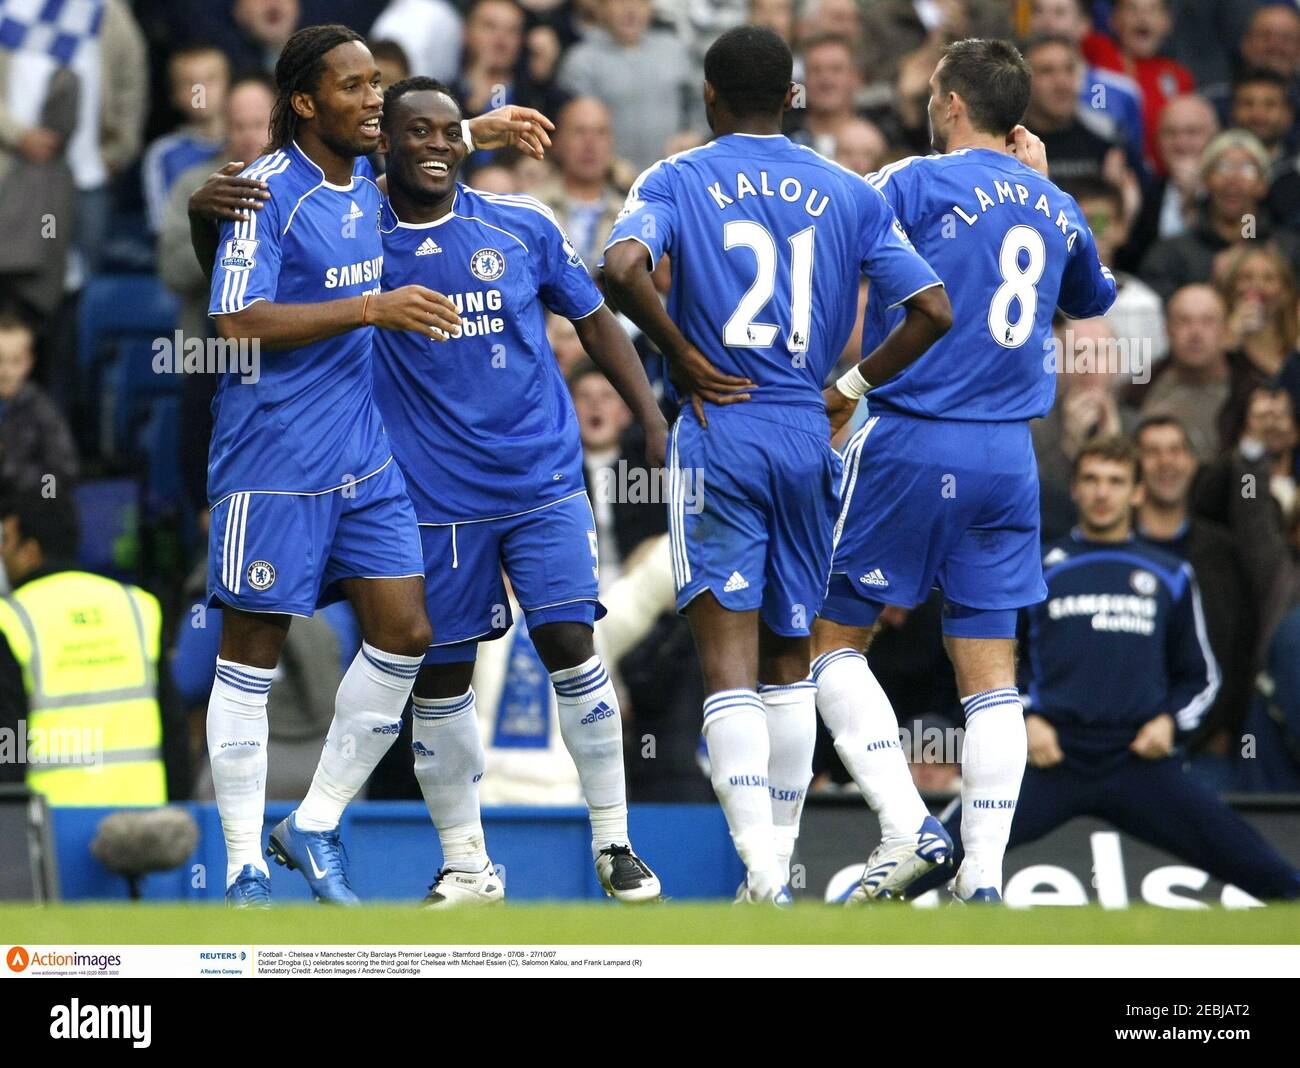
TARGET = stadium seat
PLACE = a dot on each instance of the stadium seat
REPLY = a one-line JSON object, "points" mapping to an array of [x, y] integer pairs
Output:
{"points": [[134, 392], [114, 310], [110, 527]]}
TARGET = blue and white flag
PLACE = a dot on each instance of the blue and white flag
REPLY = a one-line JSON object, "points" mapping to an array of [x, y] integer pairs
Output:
{"points": [[56, 28]]}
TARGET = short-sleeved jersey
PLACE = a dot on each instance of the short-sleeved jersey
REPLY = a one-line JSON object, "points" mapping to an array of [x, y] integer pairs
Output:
{"points": [[482, 423], [768, 243], [308, 424], [1011, 248]]}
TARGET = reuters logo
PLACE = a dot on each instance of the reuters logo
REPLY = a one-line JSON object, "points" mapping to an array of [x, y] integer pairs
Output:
{"points": [[17, 959]]}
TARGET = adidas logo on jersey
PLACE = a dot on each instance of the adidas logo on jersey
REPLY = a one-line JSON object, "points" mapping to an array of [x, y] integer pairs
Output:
{"points": [[735, 583], [354, 212], [874, 577], [428, 247]]}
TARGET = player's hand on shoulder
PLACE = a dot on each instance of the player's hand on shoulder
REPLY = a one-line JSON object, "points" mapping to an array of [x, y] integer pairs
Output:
{"points": [[413, 308], [1029, 149], [1155, 740], [227, 197], [839, 409], [525, 128], [694, 374], [1044, 746]]}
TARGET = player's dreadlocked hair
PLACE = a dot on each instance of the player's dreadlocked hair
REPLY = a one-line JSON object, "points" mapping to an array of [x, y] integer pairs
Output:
{"points": [[298, 70], [417, 84]]}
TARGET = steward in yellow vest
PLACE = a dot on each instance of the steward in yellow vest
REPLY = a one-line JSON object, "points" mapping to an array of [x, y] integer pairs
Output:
{"points": [[79, 695]]}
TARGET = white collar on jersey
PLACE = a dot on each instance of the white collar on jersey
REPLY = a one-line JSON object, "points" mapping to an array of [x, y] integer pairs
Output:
{"points": [[426, 226], [316, 166]]}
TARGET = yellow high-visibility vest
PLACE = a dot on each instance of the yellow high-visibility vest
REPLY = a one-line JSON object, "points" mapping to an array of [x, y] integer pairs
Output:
{"points": [[88, 648]]}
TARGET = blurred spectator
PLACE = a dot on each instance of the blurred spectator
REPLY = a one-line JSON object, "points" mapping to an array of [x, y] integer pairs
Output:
{"points": [[492, 178], [37, 194], [1169, 201], [1261, 106], [494, 69], [627, 64], [1080, 142], [1138, 315], [392, 61], [1233, 170], [257, 33], [1260, 290], [1269, 433], [1140, 28], [1271, 41], [861, 147], [1087, 406], [1194, 384], [1206, 35], [429, 32], [1105, 92], [830, 84], [198, 79], [894, 30], [1164, 519], [582, 193], [774, 15], [37, 452]]}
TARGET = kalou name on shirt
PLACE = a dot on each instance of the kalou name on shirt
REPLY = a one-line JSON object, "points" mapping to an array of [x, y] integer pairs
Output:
{"points": [[791, 190]]}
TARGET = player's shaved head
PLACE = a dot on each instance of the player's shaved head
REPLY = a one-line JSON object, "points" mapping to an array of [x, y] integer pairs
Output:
{"points": [[992, 79], [423, 140], [749, 69]]}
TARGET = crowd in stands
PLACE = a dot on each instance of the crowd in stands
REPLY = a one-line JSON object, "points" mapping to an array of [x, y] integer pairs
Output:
{"points": [[1172, 122]]}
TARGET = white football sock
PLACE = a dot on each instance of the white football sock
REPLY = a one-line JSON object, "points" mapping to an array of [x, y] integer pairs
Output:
{"points": [[592, 729], [735, 730], [367, 718], [237, 734], [448, 765], [865, 731], [992, 765], [792, 736]]}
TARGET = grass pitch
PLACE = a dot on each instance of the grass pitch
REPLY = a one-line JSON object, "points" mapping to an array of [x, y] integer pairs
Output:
{"points": [[659, 924]]}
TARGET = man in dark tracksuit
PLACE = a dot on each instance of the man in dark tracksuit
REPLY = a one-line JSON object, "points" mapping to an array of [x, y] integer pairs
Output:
{"points": [[1120, 672]]}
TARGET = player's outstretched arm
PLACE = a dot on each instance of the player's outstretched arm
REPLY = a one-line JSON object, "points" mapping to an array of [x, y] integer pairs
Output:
{"points": [[611, 349], [223, 197], [629, 283], [286, 326], [928, 317], [525, 128]]}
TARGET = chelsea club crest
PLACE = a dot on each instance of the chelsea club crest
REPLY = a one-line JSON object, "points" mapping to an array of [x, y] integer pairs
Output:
{"points": [[487, 264], [261, 575]]}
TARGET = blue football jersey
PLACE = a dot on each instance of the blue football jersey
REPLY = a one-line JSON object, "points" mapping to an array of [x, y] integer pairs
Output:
{"points": [[482, 424], [1120, 639], [309, 423], [768, 243], [1011, 248]]}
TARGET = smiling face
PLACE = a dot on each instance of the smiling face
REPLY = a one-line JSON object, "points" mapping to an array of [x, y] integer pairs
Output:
{"points": [[424, 145], [1168, 464], [347, 104]]}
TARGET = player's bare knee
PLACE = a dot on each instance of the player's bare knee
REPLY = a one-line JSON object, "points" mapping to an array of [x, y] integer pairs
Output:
{"points": [[827, 636], [564, 645], [440, 681]]}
